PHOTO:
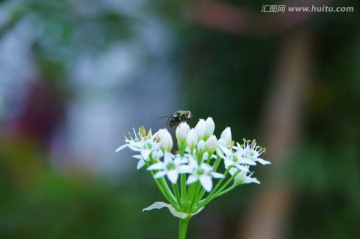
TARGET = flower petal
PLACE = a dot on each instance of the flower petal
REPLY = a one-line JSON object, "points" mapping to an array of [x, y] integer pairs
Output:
{"points": [[242, 168], [121, 148], [138, 156], [145, 153], [191, 179], [206, 182], [201, 128], [174, 212], [217, 175], [159, 174], [140, 164], [210, 127], [262, 161], [156, 166], [172, 176], [251, 180], [247, 161]]}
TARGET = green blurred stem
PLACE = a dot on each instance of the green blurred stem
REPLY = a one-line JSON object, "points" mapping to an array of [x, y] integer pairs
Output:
{"points": [[164, 188], [218, 190], [183, 227], [177, 195], [225, 191]]}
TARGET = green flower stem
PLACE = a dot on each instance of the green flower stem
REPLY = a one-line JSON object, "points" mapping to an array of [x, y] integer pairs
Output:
{"points": [[217, 163], [199, 196], [202, 192], [191, 196], [194, 198], [177, 195], [164, 188], [200, 158], [183, 227], [183, 186], [222, 190], [187, 200], [219, 191], [218, 187], [208, 159], [225, 191], [181, 147]]}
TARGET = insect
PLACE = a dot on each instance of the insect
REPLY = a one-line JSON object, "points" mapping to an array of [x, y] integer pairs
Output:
{"points": [[177, 117]]}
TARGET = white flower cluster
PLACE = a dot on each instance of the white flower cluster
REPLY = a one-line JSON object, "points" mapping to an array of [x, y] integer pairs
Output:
{"points": [[200, 154]]}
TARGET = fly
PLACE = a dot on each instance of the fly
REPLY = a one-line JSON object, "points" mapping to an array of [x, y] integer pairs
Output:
{"points": [[177, 117]]}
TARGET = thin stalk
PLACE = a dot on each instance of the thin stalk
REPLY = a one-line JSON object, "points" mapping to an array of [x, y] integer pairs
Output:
{"points": [[164, 188], [218, 190], [183, 225], [225, 191], [177, 195], [194, 199], [183, 186]]}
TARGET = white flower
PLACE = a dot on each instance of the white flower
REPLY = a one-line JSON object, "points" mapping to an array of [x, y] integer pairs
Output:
{"points": [[252, 152], [234, 159], [226, 136], [192, 138], [165, 140], [181, 131], [210, 127], [203, 173], [171, 167], [129, 141], [221, 142], [141, 161], [157, 154], [200, 154], [211, 144], [242, 177], [143, 143], [201, 128]]}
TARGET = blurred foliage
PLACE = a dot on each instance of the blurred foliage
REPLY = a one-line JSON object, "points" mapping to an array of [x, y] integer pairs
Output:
{"points": [[67, 28], [36, 202]]}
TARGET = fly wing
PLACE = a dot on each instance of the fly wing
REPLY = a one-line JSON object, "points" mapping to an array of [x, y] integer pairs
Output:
{"points": [[165, 116]]}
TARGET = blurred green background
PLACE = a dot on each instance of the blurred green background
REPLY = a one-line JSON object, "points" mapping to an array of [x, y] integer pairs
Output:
{"points": [[75, 75]]}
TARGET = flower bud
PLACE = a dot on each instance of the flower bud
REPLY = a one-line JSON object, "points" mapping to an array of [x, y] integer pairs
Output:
{"points": [[211, 144], [221, 142], [201, 128], [200, 147], [226, 136], [181, 131], [165, 140], [210, 127], [192, 139]]}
